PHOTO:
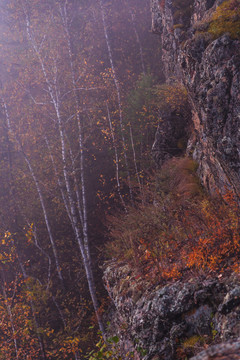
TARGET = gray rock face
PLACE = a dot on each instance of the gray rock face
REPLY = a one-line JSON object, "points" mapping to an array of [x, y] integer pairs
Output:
{"points": [[162, 318], [226, 351], [212, 76], [171, 130], [162, 24], [167, 320], [210, 70]]}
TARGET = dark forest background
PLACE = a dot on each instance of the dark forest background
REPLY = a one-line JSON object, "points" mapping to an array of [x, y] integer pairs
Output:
{"points": [[77, 125]]}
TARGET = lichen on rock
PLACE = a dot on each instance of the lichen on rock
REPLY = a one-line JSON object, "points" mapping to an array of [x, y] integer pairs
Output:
{"points": [[178, 319], [210, 70], [164, 317]]}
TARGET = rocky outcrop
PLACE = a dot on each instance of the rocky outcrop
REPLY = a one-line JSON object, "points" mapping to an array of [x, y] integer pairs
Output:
{"points": [[174, 320], [213, 77], [226, 351], [198, 316], [210, 70], [170, 136]]}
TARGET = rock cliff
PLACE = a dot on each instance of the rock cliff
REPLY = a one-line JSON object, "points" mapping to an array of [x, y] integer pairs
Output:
{"points": [[175, 320], [181, 319], [209, 67]]}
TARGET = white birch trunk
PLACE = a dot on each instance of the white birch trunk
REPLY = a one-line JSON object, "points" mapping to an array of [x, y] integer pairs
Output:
{"points": [[76, 187], [64, 17], [116, 82], [83, 243], [39, 191], [59, 181], [116, 159]]}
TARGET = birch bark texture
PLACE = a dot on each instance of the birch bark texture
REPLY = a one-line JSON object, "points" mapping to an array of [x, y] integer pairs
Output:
{"points": [[118, 91], [76, 210]]}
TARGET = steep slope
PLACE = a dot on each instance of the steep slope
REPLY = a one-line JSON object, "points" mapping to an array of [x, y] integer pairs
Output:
{"points": [[205, 56], [201, 49]]}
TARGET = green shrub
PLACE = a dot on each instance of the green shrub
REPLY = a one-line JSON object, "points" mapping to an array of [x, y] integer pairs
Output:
{"points": [[226, 19], [109, 349], [173, 97], [106, 350]]}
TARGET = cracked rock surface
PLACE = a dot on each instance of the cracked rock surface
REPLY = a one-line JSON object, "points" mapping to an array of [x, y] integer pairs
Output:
{"points": [[210, 71], [162, 318]]}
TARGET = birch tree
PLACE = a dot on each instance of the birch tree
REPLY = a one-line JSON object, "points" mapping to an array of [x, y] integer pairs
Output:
{"points": [[55, 95], [117, 86], [53, 100], [39, 191]]}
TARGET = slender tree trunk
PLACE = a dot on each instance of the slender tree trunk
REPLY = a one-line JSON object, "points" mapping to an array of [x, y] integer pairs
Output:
{"points": [[59, 181], [52, 87], [39, 191], [60, 311], [76, 185], [83, 245], [36, 243], [116, 159], [64, 17], [134, 158], [117, 86], [17, 206]]}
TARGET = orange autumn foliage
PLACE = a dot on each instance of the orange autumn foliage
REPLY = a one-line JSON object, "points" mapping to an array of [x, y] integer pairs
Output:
{"points": [[179, 229], [221, 239]]}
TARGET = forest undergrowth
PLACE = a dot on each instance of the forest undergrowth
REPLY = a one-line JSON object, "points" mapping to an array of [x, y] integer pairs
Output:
{"points": [[82, 97], [177, 230]]}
